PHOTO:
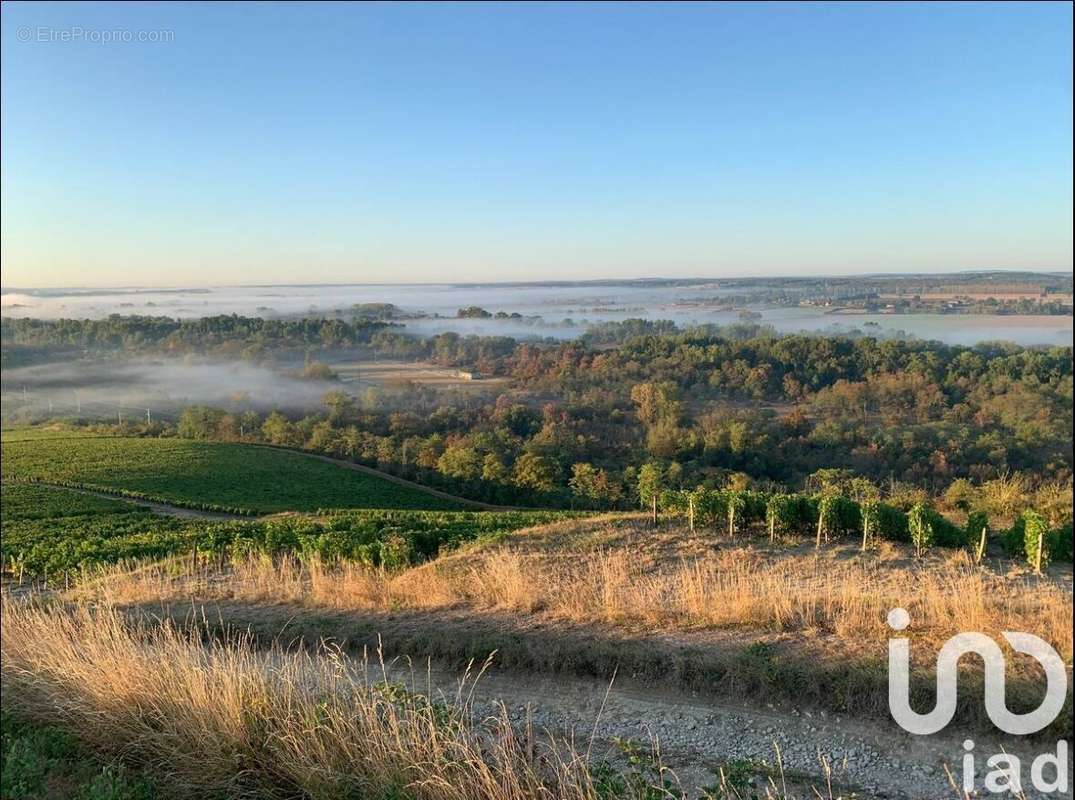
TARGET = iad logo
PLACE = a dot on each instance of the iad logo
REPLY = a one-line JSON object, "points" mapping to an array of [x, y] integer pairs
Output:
{"points": [[1008, 779]]}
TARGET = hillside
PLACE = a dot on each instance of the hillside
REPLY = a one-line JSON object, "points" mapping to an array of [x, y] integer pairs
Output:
{"points": [[211, 475]]}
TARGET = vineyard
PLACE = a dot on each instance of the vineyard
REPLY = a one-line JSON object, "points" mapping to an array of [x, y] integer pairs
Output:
{"points": [[211, 476], [827, 515], [29, 502], [49, 532]]}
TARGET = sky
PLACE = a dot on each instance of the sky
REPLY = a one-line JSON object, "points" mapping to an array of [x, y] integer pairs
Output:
{"points": [[213, 144]]}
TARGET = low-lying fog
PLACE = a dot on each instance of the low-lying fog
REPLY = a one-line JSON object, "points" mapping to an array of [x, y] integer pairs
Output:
{"points": [[547, 310], [112, 388]]}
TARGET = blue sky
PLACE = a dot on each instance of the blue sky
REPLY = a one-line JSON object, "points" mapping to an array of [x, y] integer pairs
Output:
{"points": [[278, 143]]}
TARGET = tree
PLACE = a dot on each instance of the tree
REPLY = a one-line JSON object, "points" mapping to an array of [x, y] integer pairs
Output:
{"points": [[920, 523], [199, 422], [650, 482], [249, 423], [278, 430], [460, 462], [1035, 540], [657, 402], [535, 472], [584, 482], [341, 407], [493, 469]]}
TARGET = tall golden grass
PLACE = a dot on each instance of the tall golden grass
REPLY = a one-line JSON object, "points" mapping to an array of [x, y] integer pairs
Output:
{"points": [[220, 718], [733, 588]]}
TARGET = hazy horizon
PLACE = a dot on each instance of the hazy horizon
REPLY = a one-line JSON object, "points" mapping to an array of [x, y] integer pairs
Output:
{"points": [[7, 288]]}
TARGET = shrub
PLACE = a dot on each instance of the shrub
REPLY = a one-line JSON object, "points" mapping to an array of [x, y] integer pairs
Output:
{"points": [[892, 523]]}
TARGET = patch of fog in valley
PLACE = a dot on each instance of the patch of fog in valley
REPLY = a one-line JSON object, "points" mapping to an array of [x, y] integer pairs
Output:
{"points": [[108, 388], [534, 311]]}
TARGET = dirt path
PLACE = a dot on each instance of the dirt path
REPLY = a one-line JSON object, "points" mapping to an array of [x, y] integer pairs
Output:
{"points": [[870, 759], [156, 507]]}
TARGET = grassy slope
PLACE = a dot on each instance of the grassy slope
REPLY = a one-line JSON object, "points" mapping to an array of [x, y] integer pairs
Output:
{"points": [[562, 600], [205, 474]]}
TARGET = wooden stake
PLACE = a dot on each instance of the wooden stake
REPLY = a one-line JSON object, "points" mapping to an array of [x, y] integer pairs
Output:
{"points": [[654, 508], [981, 546], [690, 512]]}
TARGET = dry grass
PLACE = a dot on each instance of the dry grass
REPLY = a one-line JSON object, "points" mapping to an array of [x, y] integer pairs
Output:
{"points": [[221, 718], [732, 588]]}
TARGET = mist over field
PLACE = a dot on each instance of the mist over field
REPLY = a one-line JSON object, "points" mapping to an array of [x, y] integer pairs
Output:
{"points": [[104, 388], [543, 310]]}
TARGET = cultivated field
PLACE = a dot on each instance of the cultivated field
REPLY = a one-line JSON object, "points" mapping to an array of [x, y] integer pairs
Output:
{"points": [[214, 476], [57, 532]]}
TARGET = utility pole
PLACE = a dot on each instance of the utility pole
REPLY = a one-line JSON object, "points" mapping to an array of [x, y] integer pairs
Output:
{"points": [[149, 419]]}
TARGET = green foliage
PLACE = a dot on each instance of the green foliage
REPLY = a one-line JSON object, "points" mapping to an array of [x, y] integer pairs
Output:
{"points": [[921, 522], [1035, 540], [213, 476], [644, 778], [977, 521], [779, 514], [36, 759], [392, 538], [892, 523], [26, 501], [650, 482], [871, 515]]}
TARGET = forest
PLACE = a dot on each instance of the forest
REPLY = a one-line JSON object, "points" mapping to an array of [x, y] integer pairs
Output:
{"points": [[577, 421]]}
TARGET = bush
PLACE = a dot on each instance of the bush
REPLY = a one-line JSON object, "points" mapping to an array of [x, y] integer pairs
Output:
{"points": [[892, 523]]}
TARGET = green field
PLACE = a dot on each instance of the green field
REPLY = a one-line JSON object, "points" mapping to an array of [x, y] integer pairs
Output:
{"points": [[208, 475], [47, 531], [30, 502]]}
